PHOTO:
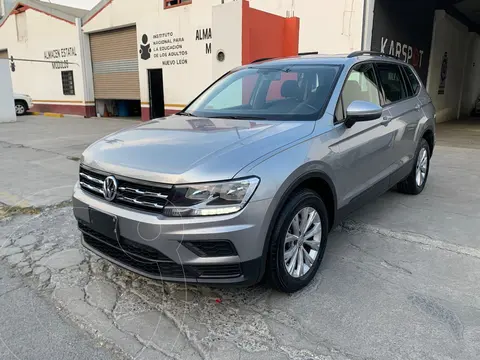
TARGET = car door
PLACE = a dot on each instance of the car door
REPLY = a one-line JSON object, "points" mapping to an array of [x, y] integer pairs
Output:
{"points": [[363, 152], [405, 113]]}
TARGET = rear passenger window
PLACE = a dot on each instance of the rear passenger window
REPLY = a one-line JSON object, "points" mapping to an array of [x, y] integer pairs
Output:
{"points": [[361, 85], [415, 84], [392, 82]]}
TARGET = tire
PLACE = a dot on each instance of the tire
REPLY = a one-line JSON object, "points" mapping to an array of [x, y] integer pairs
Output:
{"points": [[20, 107], [278, 274], [410, 185]]}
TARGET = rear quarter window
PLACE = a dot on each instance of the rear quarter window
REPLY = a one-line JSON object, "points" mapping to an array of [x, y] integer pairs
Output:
{"points": [[414, 83]]}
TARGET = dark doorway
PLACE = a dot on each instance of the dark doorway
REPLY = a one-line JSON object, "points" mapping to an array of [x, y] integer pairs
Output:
{"points": [[155, 83], [404, 29]]}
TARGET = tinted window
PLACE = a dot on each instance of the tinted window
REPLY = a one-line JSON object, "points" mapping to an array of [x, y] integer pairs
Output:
{"points": [[392, 82], [296, 92], [362, 85], [415, 84]]}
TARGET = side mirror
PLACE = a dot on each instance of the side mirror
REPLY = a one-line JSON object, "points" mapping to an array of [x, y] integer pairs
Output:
{"points": [[362, 111]]}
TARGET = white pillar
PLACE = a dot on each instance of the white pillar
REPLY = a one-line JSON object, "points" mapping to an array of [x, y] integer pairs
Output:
{"points": [[7, 108], [85, 64]]}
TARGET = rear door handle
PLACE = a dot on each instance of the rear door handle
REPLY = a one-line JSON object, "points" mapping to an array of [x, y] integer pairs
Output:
{"points": [[418, 107]]}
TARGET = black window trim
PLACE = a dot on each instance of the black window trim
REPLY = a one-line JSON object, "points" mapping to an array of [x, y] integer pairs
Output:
{"points": [[407, 81], [383, 90], [404, 68], [340, 98], [63, 83]]}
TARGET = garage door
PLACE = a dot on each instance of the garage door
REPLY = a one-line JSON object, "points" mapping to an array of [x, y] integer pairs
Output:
{"points": [[3, 54], [115, 64]]}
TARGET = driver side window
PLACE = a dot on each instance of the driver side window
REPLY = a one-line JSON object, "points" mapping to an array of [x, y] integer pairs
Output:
{"points": [[361, 84]]}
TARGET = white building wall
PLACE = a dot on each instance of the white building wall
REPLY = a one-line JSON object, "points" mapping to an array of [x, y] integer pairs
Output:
{"points": [[7, 109], [44, 34], [186, 63], [451, 37], [228, 16], [326, 26], [471, 91], [187, 67]]}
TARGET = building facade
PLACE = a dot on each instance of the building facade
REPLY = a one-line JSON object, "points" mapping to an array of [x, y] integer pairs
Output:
{"points": [[151, 60]]}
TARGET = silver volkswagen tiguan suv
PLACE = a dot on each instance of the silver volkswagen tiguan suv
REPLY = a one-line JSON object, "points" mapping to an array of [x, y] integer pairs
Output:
{"points": [[247, 181]]}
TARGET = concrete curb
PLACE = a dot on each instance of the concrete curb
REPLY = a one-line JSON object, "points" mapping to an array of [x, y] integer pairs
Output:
{"points": [[53, 115]]}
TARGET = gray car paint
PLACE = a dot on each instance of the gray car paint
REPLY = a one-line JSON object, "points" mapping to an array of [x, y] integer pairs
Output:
{"points": [[171, 151]]}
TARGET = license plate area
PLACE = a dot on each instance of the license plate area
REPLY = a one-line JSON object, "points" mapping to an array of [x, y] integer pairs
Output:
{"points": [[103, 223]]}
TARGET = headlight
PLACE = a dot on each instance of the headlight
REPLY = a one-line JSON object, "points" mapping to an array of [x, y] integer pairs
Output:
{"points": [[211, 199]]}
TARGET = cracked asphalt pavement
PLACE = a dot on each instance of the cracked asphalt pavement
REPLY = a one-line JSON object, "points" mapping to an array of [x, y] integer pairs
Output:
{"points": [[400, 280]]}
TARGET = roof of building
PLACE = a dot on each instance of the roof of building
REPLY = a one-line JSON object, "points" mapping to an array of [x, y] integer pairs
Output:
{"points": [[68, 9], [61, 12], [95, 10]]}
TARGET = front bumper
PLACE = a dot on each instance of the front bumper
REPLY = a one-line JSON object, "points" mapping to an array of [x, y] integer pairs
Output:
{"points": [[161, 248]]}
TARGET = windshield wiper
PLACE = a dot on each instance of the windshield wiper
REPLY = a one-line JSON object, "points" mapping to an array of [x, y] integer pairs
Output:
{"points": [[183, 113], [238, 117]]}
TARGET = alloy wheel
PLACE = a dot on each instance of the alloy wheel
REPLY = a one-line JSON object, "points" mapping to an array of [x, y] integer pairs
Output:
{"points": [[19, 109], [302, 242], [422, 166]]}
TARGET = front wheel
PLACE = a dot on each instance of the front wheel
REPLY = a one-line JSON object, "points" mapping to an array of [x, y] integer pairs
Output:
{"points": [[415, 182], [20, 108], [298, 242]]}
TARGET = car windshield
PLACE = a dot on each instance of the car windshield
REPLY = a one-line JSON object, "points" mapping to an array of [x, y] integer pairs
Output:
{"points": [[296, 92]]}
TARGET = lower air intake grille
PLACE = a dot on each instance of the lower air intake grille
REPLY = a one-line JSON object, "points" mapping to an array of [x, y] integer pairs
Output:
{"points": [[155, 268], [218, 271], [129, 246], [211, 248], [151, 261]]}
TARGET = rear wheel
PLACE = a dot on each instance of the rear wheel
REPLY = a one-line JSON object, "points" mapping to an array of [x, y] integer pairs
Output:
{"points": [[415, 182], [20, 107], [298, 242]]}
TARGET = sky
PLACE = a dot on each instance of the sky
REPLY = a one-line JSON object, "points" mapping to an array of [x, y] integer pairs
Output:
{"points": [[82, 4]]}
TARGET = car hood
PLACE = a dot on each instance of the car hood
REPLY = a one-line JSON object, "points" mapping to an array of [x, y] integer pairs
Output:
{"points": [[181, 149]]}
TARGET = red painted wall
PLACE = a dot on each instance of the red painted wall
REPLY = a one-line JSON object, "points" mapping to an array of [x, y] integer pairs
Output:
{"points": [[146, 113], [82, 110], [266, 35]]}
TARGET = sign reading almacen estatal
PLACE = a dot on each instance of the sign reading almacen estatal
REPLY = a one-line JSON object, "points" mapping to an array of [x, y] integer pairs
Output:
{"points": [[61, 53]]}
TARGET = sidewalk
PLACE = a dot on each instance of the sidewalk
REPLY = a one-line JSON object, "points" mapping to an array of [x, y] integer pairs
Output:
{"points": [[33, 330], [39, 156]]}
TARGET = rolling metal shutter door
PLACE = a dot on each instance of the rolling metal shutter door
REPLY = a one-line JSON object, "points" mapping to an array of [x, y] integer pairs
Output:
{"points": [[115, 64], [3, 54]]}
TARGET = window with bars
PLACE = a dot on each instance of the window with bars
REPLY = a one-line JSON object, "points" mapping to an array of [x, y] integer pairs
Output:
{"points": [[67, 83], [174, 3]]}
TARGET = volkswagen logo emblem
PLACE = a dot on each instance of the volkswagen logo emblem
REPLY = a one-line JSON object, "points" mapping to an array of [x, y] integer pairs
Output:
{"points": [[110, 188]]}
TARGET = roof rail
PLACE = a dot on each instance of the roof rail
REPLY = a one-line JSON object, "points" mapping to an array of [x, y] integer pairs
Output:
{"points": [[261, 59], [376, 53], [308, 53]]}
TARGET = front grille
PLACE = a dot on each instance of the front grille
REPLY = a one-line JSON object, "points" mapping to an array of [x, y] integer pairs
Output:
{"points": [[134, 248], [155, 268], [151, 261], [211, 248], [218, 271], [130, 193]]}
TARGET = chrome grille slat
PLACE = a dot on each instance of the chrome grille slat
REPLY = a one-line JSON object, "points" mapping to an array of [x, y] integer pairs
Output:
{"points": [[91, 178], [130, 193], [143, 193], [91, 188], [138, 202]]}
